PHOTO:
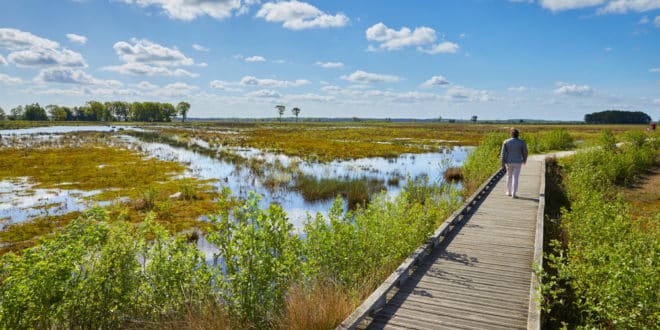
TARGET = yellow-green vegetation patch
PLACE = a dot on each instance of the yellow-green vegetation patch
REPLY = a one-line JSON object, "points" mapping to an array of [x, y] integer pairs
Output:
{"points": [[87, 167], [133, 184]]}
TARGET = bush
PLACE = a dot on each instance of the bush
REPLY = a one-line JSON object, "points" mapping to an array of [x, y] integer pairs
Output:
{"points": [[605, 268]]}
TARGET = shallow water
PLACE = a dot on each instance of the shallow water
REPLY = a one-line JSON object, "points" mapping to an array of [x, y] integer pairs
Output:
{"points": [[19, 199]]}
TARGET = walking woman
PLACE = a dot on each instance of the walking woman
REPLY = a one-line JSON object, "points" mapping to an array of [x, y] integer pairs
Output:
{"points": [[513, 155]]}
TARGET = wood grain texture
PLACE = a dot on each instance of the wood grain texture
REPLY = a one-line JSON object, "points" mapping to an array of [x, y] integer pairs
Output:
{"points": [[480, 275]]}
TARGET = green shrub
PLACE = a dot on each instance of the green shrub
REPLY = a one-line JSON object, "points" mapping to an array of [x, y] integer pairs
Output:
{"points": [[483, 161], [605, 267], [260, 256]]}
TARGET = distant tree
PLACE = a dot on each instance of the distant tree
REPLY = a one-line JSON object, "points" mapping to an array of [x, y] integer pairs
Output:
{"points": [[34, 112], [167, 112], [96, 111], [3, 116], [280, 111], [182, 108], [118, 109], [296, 112], [439, 119], [58, 113], [473, 119], [617, 117], [16, 113]]}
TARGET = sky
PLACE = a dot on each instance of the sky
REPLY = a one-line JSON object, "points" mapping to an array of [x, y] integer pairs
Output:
{"points": [[496, 59]]}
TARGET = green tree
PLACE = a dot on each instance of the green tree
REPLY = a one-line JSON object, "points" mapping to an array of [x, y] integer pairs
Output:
{"points": [[118, 110], [280, 111], [3, 116], [16, 113], [167, 112], [473, 119], [58, 113], [34, 112], [296, 112], [182, 108]]}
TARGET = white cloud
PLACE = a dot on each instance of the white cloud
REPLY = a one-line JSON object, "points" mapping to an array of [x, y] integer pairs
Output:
{"points": [[656, 22], [608, 49], [146, 85], [224, 86], [296, 15], [264, 93], [72, 76], [654, 70], [176, 89], [12, 39], [445, 47], [362, 77], [624, 6], [463, 94], [253, 81], [190, 9], [202, 65], [573, 89], [309, 97], [145, 51], [518, 89], [391, 39], [605, 6], [255, 59], [76, 38], [561, 5], [46, 57], [643, 20], [149, 70], [2, 60], [9, 80], [200, 48], [435, 81], [330, 65]]}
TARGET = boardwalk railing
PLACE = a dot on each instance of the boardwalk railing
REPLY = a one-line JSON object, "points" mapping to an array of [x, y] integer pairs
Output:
{"points": [[534, 313], [379, 297]]}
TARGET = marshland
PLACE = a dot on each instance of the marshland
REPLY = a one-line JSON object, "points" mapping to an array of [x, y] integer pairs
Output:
{"points": [[181, 206]]}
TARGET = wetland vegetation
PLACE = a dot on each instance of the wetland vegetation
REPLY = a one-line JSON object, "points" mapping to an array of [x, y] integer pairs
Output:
{"points": [[374, 192]]}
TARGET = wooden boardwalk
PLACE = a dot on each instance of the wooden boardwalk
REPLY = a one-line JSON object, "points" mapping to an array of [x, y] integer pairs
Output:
{"points": [[479, 277]]}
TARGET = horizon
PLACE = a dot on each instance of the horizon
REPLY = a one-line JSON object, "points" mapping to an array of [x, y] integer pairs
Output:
{"points": [[551, 60]]}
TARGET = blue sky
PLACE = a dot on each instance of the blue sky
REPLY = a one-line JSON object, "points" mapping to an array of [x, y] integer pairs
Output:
{"points": [[497, 59]]}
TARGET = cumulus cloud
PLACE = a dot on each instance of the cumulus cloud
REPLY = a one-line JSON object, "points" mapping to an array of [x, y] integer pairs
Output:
{"points": [[296, 15], [253, 81], [145, 51], [146, 85], [9, 80], [391, 39], [148, 70], [435, 81], [144, 57], [255, 59], [362, 77], [445, 47], [654, 70], [423, 37], [200, 48], [643, 20], [176, 89], [573, 89], [73, 76], [309, 97], [12, 39], [656, 22], [190, 9], [46, 57], [2, 60], [264, 93], [76, 38], [330, 65], [28, 50], [561, 5]]}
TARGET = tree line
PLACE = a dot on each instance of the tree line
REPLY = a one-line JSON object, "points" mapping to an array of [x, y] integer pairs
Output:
{"points": [[617, 117], [98, 111]]}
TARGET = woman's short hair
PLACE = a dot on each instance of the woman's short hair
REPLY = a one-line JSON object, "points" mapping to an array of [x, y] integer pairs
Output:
{"points": [[514, 132]]}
